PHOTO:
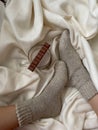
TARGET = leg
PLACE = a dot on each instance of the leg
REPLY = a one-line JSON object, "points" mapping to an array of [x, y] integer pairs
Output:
{"points": [[8, 119], [46, 105], [77, 73], [94, 103], [49, 103], [8, 115]]}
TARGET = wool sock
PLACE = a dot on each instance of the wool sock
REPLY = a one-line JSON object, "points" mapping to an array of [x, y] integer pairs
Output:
{"points": [[49, 103], [77, 73]]}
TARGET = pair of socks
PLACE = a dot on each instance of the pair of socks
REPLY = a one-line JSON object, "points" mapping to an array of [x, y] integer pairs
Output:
{"points": [[70, 71]]}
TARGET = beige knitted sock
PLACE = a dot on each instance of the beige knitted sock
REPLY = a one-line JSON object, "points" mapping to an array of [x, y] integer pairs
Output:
{"points": [[2, 10], [49, 103], [78, 75]]}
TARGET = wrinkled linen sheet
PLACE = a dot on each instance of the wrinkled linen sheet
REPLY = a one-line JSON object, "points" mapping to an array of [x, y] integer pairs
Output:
{"points": [[29, 23]]}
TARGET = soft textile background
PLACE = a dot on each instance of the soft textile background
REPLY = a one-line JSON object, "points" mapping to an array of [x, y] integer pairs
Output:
{"points": [[32, 22]]}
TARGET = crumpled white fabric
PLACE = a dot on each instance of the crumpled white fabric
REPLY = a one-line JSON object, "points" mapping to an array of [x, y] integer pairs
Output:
{"points": [[32, 22]]}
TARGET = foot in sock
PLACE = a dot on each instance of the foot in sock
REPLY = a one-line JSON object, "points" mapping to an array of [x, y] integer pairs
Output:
{"points": [[77, 73], [49, 103]]}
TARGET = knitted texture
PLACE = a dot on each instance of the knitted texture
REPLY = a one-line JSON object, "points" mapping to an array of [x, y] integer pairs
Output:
{"points": [[2, 10], [77, 73], [49, 103]]}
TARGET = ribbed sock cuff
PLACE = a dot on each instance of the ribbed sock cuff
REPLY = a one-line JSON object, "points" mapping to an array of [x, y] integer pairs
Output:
{"points": [[24, 114], [88, 90]]}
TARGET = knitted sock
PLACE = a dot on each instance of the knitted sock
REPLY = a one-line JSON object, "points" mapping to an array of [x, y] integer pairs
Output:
{"points": [[49, 103], [78, 75]]}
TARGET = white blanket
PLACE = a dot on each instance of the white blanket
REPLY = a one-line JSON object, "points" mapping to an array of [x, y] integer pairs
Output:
{"points": [[28, 23]]}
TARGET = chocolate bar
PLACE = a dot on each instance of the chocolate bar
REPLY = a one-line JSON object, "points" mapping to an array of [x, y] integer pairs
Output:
{"points": [[39, 57]]}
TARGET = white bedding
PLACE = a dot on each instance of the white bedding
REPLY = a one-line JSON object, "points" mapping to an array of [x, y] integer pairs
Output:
{"points": [[27, 23]]}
